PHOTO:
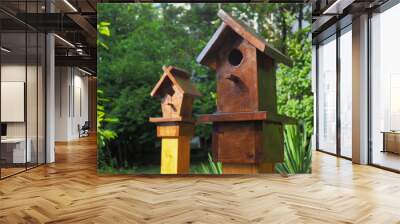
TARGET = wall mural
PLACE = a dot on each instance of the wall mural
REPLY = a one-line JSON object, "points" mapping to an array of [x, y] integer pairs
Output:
{"points": [[218, 106]]}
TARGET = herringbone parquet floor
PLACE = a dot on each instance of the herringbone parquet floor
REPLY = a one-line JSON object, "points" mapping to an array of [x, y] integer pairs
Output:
{"points": [[70, 191]]}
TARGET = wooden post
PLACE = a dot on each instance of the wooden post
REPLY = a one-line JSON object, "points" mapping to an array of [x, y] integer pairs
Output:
{"points": [[175, 147]]}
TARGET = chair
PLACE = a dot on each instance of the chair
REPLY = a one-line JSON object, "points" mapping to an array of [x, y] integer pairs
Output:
{"points": [[84, 130]]}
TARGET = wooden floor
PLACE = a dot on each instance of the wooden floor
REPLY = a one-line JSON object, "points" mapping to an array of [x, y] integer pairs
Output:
{"points": [[9, 171], [387, 159], [5, 172], [70, 191]]}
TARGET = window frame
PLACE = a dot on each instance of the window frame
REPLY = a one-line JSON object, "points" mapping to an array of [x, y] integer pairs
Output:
{"points": [[31, 30], [338, 33], [381, 9]]}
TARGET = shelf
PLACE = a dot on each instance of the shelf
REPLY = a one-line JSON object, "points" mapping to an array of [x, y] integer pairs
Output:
{"points": [[227, 117]]}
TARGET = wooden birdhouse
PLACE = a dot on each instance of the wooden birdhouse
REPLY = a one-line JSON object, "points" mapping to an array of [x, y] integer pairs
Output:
{"points": [[177, 94], [176, 126], [248, 132]]}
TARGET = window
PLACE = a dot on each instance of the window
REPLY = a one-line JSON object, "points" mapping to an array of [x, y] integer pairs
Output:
{"points": [[346, 92], [327, 95], [22, 77], [385, 88]]}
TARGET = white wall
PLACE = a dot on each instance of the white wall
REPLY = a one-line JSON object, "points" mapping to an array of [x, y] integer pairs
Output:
{"points": [[33, 126], [16, 73], [62, 81], [71, 102], [9, 73], [80, 109]]}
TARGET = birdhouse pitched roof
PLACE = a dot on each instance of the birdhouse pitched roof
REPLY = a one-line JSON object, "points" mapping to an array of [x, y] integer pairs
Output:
{"points": [[229, 25], [178, 77]]}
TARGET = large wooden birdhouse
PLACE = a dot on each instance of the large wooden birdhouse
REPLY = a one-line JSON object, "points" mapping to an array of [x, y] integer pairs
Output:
{"points": [[176, 126], [248, 132]]}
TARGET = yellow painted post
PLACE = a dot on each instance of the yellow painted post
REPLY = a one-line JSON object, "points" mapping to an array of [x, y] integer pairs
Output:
{"points": [[175, 148]]}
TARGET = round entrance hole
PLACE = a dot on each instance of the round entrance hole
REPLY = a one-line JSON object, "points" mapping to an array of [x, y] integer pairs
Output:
{"points": [[235, 57]]}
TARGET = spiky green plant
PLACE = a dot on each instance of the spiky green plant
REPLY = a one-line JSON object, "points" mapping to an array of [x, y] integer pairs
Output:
{"points": [[209, 168], [298, 154]]}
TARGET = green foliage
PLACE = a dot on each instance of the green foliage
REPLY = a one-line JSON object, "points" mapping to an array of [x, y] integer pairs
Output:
{"points": [[103, 135], [211, 167], [144, 38], [295, 98], [297, 152], [104, 31], [113, 170]]}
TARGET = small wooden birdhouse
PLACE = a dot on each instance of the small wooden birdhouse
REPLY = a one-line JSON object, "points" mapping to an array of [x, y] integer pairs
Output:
{"points": [[247, 131], [177, 94], [176, 126]]}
